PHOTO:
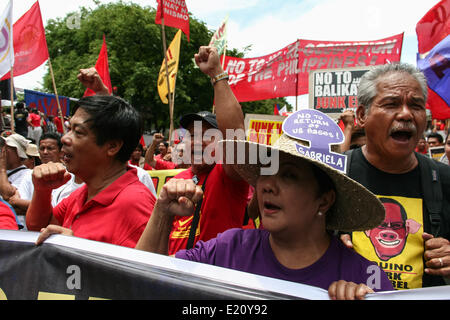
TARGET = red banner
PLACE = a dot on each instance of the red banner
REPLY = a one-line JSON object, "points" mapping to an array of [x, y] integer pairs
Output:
{"points": [[174, 13], [30, 45], [276, 75]]}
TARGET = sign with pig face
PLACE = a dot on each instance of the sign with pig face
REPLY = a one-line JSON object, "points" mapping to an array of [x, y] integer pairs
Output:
{"points": [[389, 239]]}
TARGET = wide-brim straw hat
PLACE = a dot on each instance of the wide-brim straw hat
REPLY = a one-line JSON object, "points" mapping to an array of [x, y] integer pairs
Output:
{"points": [[355, 208]]}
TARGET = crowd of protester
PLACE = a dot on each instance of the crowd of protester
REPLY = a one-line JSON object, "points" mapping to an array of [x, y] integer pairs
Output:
{"points": [[93, 183]]}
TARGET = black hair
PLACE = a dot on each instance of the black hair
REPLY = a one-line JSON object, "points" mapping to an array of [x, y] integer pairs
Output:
{"points": [[165, 143], [112, 118], [140, 147], [53, 136]]}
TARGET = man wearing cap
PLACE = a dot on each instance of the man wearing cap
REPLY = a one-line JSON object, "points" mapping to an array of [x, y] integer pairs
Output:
{"points": [[225, 195], [412, 244], [12, 168]]}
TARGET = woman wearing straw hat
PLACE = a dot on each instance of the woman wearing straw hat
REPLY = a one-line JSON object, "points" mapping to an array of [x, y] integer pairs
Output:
{"points": [[298, 204]]}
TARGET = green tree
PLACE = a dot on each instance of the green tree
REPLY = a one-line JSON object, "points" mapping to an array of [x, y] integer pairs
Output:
{"points": [[135, 57]]}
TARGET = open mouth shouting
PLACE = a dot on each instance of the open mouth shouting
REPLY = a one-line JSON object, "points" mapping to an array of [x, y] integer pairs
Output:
{"points": [[403, 132], [67, 157]]}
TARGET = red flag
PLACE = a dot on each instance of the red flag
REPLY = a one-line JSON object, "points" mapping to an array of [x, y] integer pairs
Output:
{"points": [[175, 14], [431, 30], [142, 142], [276, 110], [434, 26], [438, 107], [102, 67], [30, 45]]}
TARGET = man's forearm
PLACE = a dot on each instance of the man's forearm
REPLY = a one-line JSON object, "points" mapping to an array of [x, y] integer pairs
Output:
{"points": [[228, 110], [229, 117], [6, 189], [20, 205], [155, 237], [348, 137], [150, 156], [40, 211]]}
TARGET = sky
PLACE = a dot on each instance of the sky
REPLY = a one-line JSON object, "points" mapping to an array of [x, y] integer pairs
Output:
{"points": [[270, 25]]}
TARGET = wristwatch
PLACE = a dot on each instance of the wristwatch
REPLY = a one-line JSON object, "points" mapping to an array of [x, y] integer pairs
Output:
{"points": [[220, 77]]}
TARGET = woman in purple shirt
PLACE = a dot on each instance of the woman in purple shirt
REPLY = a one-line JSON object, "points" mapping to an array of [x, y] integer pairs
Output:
{"points": [[297, 205]]}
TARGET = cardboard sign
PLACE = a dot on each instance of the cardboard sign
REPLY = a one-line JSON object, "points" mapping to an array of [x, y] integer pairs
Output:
{"points": [[161, 177], [321, 132], [264, 129], [436, 152], [334, 90]]}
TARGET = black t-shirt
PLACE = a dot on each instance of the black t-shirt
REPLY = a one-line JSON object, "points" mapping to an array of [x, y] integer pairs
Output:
{"points": [[396, 245], [20, 119]]}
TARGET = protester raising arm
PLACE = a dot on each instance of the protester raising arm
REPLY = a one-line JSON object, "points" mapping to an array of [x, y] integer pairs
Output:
{"points": [[91, 80], [228, 110], [348, 118], [150, 155]]}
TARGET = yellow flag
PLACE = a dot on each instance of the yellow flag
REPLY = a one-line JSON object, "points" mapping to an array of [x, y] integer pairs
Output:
{"points": [[173, 56]]}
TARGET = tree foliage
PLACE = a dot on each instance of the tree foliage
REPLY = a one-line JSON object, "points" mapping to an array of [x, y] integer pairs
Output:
{"points": [[135, 57]]}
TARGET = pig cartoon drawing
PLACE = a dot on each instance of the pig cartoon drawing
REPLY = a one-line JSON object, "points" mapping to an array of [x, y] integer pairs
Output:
{"points": [[389, 239]]}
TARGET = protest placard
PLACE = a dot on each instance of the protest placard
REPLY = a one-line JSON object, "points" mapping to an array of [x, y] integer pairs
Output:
{"points": [[262, 128], [334, 90]]}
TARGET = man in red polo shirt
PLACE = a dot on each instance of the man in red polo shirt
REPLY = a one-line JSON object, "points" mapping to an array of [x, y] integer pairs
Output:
{"points": [[113, 206]]}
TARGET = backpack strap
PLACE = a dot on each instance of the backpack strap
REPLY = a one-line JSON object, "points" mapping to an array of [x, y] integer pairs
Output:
{"points": [[432, 191], [349, 155], [196, 219], [15, 171]]}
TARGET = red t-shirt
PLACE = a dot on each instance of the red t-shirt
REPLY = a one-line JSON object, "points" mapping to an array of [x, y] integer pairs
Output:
{"points": [[117, 215], [165, 165], [223, 208], [7, 218], [58, 124]]}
